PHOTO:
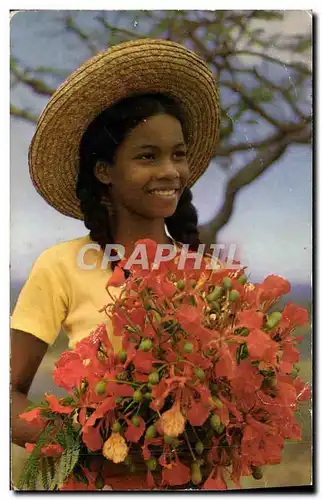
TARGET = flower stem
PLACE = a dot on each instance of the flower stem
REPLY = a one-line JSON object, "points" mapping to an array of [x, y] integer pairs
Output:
{"points": [[123, 382], [189, 445]]}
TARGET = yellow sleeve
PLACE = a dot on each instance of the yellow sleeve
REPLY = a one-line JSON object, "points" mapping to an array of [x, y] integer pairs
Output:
{"points": [[42, 305]]}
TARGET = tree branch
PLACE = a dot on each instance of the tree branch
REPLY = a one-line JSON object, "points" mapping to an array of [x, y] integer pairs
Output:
{"points": [[244, 177], [117, 30], [84, 37], [38, 86], [285, 94], [235, 87], [22, 114], [296, 66]]}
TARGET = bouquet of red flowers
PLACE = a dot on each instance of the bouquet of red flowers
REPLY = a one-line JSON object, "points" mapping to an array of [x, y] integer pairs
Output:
{"points": [[205, 388]]}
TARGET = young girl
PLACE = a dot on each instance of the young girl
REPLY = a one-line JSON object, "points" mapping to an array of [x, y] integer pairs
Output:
{"points": [[119, 145]]}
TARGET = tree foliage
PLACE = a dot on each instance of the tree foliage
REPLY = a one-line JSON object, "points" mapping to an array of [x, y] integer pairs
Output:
{"points": [[264, 78]]}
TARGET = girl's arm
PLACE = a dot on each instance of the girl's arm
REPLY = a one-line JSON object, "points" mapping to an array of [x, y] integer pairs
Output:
{"points": [[27, 352]]}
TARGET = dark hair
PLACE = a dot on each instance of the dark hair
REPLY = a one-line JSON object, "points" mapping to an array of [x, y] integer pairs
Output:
{"points": [[99, 143]]}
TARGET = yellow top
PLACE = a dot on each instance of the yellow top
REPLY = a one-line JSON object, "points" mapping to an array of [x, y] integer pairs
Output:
{"points": [[65, 290]]}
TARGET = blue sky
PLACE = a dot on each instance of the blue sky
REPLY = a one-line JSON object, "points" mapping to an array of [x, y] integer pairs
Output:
{"points": [[271, 224]]}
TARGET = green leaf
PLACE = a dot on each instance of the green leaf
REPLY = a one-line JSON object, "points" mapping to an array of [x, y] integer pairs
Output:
{"points": [[33, 406], [47, 473], [29, 474]]}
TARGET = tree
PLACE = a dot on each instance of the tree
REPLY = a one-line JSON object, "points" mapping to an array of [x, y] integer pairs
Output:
{"points": [[265, 93]]}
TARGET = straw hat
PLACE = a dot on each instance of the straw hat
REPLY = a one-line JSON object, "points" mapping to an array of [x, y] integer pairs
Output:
{"points": [[141, 66]]}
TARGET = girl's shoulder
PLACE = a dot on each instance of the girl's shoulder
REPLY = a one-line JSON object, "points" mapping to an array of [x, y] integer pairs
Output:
{"points": [[65, 251]]}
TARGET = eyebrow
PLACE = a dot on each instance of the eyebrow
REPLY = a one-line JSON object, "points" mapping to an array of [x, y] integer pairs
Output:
{"points": [[153, 146]]}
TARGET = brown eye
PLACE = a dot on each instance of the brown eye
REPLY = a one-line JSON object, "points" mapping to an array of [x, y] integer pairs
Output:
{"points": [[146, 157], [179, 155]]}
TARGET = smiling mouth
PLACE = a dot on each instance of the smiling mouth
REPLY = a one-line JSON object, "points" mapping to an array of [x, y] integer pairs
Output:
{"points": [[165, 193]]}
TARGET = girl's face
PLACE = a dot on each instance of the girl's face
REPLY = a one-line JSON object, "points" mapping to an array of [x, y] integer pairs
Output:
{"points": [[150, 169]]}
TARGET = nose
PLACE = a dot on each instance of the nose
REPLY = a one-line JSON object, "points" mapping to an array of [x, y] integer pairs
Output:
{"points": [[167, 170]]}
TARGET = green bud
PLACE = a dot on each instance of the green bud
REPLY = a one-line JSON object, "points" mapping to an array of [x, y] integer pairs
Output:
{"points": [[151, 464], [157, 317], [214, 388], [200, 373], [234, 295], [199, 447], [196, 476], [121, 376], [135, 421], [217, 402], [215, 307], [273, 319], [242, 279], [138, 396], [226, 282], [188, 347], [153, 378], [257, 472], [99, 483], [216, 423], [116, 427], [148, 395], [151, 432], [180, 285], [215, 294], [146, 345], [122, 356], [100, 387]]}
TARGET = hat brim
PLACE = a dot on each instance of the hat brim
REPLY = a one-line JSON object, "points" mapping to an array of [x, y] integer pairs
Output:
{"points": [[136, 67]]}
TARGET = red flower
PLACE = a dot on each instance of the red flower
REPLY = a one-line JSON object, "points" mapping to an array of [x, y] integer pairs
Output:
{"points": [[30, 447], [226, 365], [249, 319], [101, 411], [215, 481], [143, 361], [150, 442], [188, 316], [119, 322], [92, 437], [289, 357], [117, 279], [246, 380], [303, 389], [261, 346], [134, 433], [33, 417], [293, 315], [198, 414], [56, 407], [274, 287], [52, 450], [176, 474]]}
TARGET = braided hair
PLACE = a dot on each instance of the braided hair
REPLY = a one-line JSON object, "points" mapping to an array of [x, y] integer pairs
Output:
{"points": [[99, 144]]}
